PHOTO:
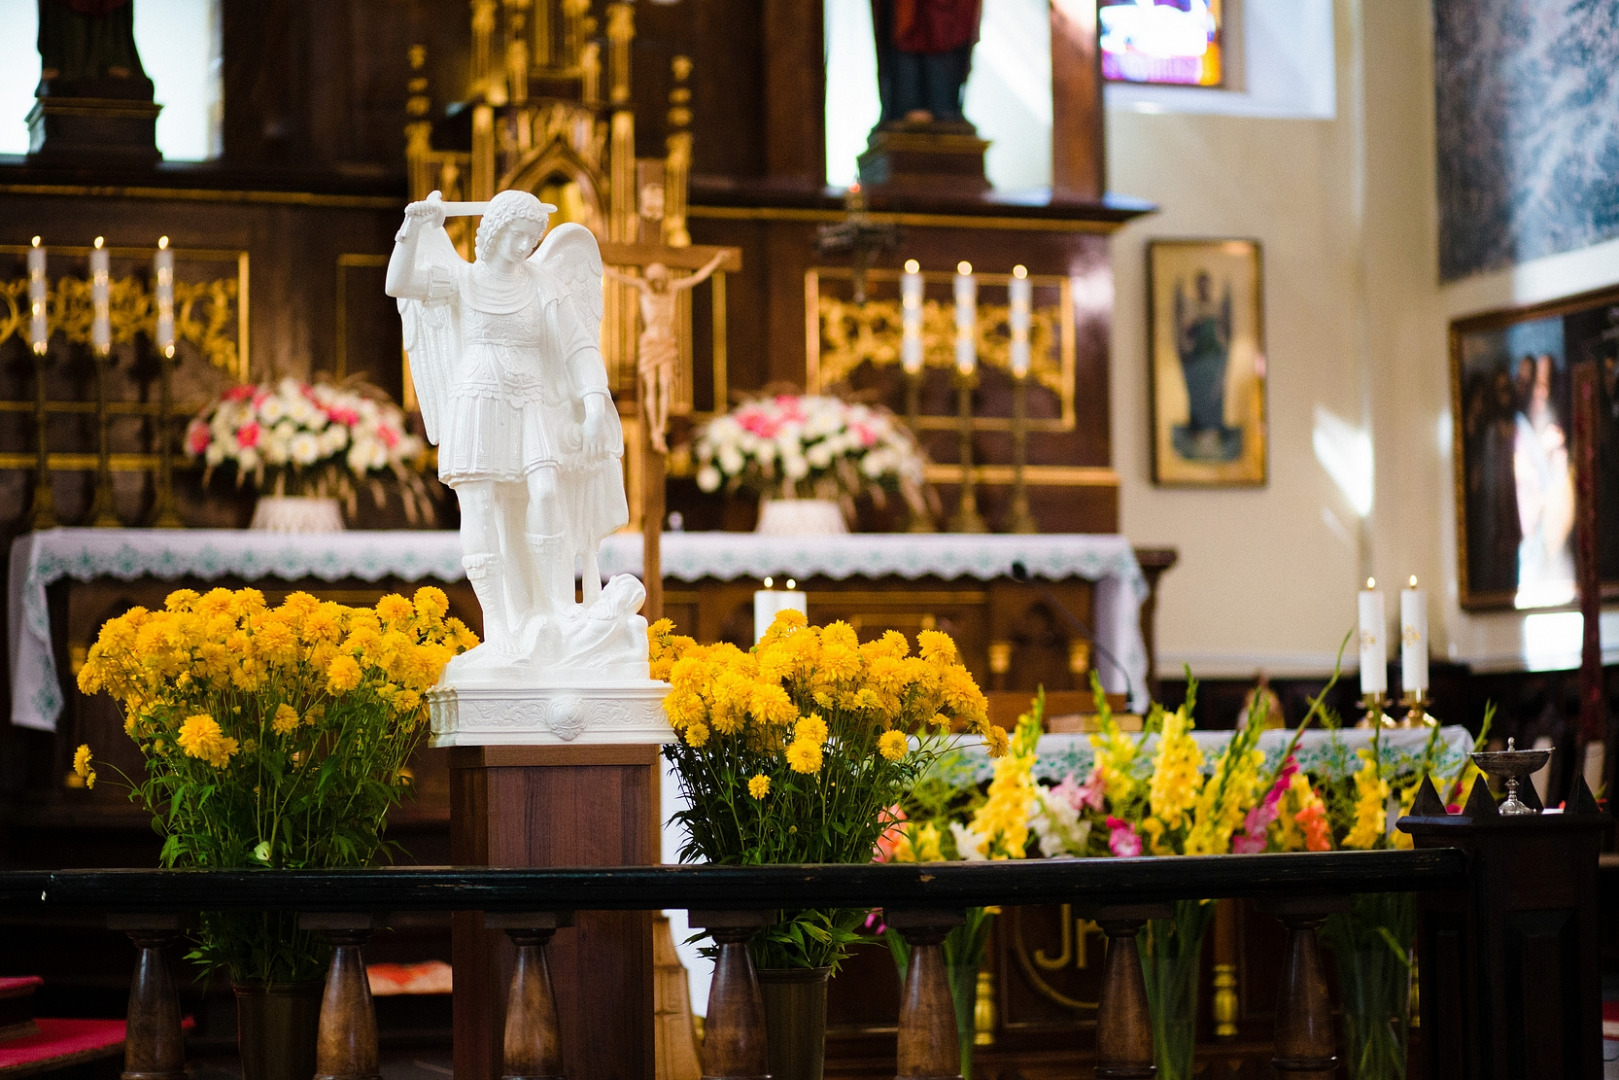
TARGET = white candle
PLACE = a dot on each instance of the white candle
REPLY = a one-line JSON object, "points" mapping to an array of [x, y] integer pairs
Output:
{"points": [[100, 300], [39, 331], [966, 319], [768, 601], [910, 303], [1021, 293], [1373, 649], [163, 272], [1414, 638]]}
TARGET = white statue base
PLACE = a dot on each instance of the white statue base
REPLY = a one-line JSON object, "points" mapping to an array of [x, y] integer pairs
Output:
{"points": [[578, 677], [555, 714]]}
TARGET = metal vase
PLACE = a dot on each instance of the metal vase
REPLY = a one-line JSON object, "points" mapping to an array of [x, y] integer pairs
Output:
{"points": [[276, 1029], [795, 1021]]}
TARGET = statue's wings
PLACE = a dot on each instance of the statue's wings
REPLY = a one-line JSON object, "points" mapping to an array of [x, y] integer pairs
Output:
{"points": [[570, 254], [432, 332]]}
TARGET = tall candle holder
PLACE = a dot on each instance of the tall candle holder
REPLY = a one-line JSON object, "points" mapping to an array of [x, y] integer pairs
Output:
{"points": [[103, 511], [1375, 705], [165, 514], [1021, 519], [967, 518], [921, 520], [42, 514], [1416, 710]]}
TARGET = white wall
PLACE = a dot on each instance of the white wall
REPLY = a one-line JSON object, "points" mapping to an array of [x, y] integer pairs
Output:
{"points": [[1356, 330]]}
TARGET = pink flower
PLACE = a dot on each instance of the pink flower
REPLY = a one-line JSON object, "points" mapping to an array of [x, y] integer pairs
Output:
{"points": [[894, 816], [240, 393], [389, 437], [1094, 788], [247, 435], [339, 415], [866, 436], [1122, 840], [1248, 844], [198, 437]]}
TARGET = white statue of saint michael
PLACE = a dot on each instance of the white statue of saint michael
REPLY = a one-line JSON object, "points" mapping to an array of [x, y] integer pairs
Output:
{"points": [[506, 358]]}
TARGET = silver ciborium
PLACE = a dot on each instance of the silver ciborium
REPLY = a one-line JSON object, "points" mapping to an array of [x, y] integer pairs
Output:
{"points": [[1512, 765]]}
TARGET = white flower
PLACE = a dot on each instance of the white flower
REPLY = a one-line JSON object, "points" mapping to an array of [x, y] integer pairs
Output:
{"points": [[708, 478], [305, 448], [247, 459], [794, 467], [271, 409], [819, 455], [970, 845], [215, 455], [730, 460]]}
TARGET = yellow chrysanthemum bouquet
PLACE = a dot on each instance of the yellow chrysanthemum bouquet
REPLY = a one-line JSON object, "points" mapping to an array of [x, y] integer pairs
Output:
{"points": [[274, 737], [794, 751]]}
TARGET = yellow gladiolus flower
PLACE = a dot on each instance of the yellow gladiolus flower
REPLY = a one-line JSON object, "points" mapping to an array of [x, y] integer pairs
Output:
{"points": [[1371, 806], [759, 786], [893, 745], [201, 738]]}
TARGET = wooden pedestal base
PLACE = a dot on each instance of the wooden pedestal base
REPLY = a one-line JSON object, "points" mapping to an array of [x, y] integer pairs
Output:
{"points": [[120, 130], [558, 806], [939, 159]]}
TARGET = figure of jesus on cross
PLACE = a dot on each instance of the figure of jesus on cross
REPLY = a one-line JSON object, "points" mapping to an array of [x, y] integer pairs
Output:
{"points": [[658, 350]]}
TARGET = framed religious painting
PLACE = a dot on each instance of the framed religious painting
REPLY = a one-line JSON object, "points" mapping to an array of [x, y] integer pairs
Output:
{"points": [[1206, 342], [1511, 409]]}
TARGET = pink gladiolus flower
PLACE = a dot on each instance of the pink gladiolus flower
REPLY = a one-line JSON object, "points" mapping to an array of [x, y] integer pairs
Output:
{"points": [[1122, 840], [892, 835], [247, 435], [1070, 792], [1248, 844], [1094, 789]]}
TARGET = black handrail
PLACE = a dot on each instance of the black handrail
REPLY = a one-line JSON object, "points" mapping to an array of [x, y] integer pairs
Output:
{"points": [[639, 888]]}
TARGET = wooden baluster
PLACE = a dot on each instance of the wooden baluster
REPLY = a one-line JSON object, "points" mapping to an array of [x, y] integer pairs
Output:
{"points": [[1304, 1030], [929, 1045], [346, 1048], [154, 1047], [734, 1033], [1123, 1017], [533, 1033]]}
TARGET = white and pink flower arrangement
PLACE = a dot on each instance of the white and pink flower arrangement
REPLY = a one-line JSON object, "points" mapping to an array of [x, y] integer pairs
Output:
{"points": [[804, 446], [296, 438]]}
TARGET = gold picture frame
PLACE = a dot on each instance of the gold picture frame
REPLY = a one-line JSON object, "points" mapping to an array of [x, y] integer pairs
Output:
{"points": [[1206, 363]]}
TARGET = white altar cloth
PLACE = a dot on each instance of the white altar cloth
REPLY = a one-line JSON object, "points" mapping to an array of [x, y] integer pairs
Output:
{"points": [[41, 558]]}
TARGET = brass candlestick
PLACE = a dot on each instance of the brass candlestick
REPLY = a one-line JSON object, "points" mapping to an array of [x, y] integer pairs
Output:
{"points": [[967, 519], [1374, 705], [921, 515], [1021, 521], [164, 513], [42, 514], [103, 511], [1416, 714]]}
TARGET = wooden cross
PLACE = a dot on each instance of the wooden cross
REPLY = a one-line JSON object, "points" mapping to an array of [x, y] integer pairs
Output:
{"points": [[694, 259]]}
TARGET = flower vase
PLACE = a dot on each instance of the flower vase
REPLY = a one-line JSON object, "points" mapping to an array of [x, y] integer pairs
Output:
{"points": [[964, 996], [800, 517], [1371, 947], [795, 1021], [297, 514], [276, 1028], [1170, 955]]}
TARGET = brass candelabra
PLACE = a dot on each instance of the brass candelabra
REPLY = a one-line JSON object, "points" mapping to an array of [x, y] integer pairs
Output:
{"points": [[967, 518], [1021, 520]]}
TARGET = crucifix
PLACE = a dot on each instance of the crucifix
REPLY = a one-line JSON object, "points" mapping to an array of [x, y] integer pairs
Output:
{"points": [[660, 274]]}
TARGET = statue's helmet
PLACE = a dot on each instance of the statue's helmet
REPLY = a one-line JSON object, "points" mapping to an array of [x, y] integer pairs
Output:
{"points": [[506, 208]]}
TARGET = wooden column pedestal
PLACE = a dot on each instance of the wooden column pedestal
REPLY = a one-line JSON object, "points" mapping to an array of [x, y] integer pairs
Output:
{"points": [[557, 806]]}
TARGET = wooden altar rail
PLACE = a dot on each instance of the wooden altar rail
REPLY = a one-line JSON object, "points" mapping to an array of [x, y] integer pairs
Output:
{"points": [[1479, 876]]}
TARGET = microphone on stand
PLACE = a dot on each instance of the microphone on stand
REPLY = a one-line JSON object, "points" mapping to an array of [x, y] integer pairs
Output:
{"points": [[1020, 572]]}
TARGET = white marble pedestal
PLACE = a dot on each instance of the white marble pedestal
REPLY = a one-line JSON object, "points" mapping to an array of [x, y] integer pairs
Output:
{"points": [[550, 714]]}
